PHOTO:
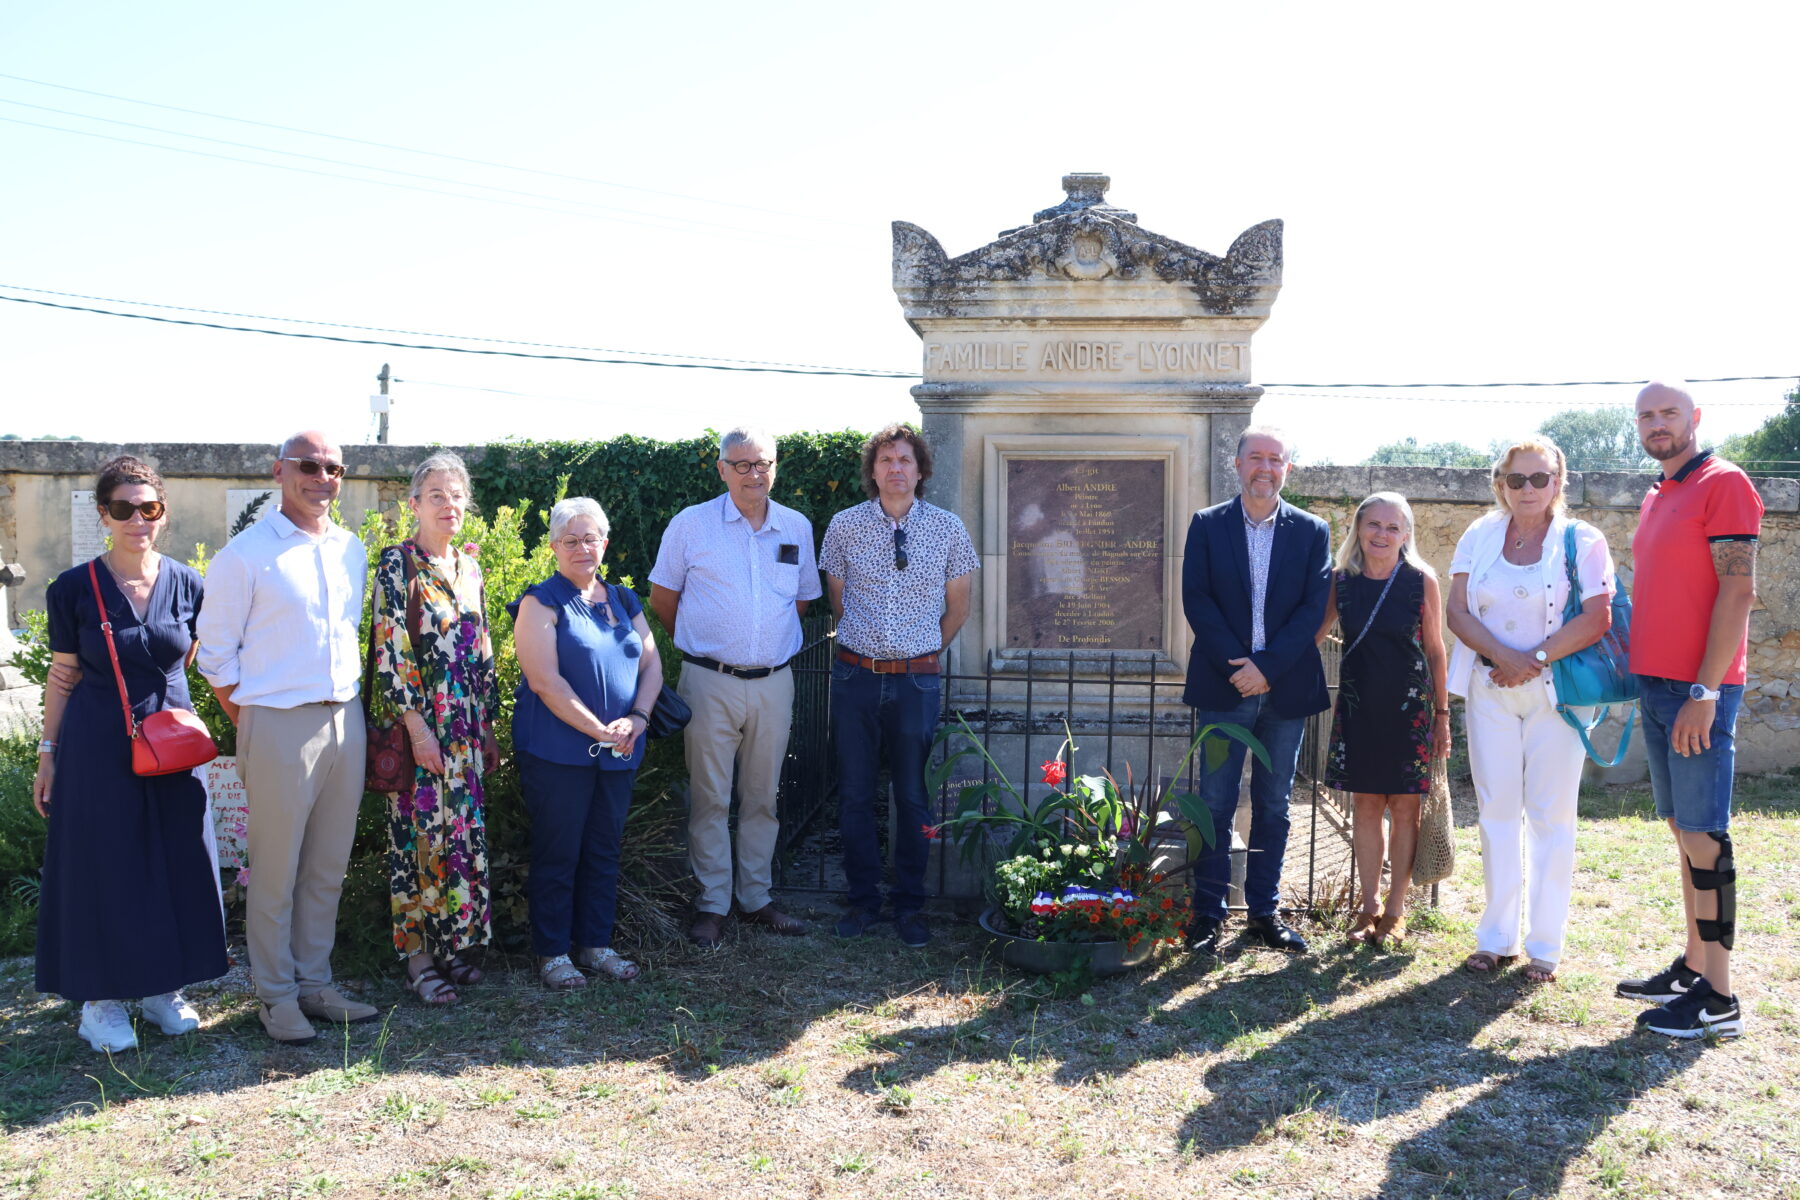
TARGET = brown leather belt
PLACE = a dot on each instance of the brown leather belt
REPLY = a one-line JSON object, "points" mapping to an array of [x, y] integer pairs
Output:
{"points": [[924, 664]]}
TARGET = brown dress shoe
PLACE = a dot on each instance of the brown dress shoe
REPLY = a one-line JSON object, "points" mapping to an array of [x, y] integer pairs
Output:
{"points": [[774, 920], [707, 930]]}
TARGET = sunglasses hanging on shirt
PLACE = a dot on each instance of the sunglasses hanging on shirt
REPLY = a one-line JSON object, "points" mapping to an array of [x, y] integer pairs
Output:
{"points": [[900, 559]]}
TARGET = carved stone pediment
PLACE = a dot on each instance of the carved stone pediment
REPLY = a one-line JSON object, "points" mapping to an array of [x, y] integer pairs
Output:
{"points": [[1086, 240]]}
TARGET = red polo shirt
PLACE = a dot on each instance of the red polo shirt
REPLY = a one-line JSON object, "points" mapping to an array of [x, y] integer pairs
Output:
{"points": [[1674, 584]]}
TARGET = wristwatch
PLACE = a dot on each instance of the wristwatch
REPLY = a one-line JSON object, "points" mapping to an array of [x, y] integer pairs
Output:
{"points": [[1700, 691], [1543, 656]]}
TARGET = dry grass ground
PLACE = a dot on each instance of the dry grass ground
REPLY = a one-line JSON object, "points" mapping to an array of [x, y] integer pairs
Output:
{"points": [[817, 1068]]}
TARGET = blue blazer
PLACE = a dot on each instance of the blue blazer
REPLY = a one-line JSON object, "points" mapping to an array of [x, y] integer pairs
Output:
{"points": [[1215, 593]]}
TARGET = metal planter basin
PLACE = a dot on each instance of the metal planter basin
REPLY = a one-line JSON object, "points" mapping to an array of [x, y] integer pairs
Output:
{"points": [[1047, 958]]}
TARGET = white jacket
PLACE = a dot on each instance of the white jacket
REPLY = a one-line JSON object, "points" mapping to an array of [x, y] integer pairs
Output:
{"points": [[1481, 546]]}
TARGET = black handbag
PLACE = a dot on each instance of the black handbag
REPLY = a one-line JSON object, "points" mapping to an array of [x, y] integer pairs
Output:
{"points": [[670, 715]]}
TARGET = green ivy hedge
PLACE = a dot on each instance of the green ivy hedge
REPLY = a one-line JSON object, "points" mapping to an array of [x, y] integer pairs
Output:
{"points": [[642, 484]]}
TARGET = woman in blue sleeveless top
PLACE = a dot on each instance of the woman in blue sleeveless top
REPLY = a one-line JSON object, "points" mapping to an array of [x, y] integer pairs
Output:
{"points": [[590, 679]]}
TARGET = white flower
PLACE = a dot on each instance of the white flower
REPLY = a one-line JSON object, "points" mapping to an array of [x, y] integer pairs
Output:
{"points": [[1082, 851], [1067, 850]]}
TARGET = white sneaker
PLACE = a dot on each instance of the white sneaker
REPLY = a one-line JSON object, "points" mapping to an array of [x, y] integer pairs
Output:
{"points": [[105, 1026], [171, 1012]]}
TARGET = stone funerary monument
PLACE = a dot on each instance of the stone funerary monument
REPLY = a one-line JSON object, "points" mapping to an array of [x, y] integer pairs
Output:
{"points": [[1085, 382]]}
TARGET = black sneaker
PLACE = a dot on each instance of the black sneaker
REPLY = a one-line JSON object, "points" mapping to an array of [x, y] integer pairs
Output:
{"points": [[1699, 1012], [1670, 983], [856, 922], [912, 929]]}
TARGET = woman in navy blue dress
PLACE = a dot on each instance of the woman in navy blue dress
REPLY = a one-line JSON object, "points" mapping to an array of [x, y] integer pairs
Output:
{"points": [[129, 908]]}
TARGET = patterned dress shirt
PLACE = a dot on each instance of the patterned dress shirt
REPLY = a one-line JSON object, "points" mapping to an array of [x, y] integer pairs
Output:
{"points": [[1260, 536], [889, 612]]}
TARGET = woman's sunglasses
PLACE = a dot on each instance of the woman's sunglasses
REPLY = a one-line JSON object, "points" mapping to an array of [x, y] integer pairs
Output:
{"points": [[1537, 479], [121, 510], [312, 466]]}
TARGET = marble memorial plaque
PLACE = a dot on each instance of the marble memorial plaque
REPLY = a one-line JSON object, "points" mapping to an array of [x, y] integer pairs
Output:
{"points": [[86, 539], [1085, 553]]}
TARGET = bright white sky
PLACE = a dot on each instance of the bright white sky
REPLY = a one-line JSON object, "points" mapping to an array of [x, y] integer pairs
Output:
{"points": [[1544, 191]]}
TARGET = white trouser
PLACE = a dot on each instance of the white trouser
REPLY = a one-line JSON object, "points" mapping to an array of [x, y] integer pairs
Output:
{"points": [[1527, 766]]}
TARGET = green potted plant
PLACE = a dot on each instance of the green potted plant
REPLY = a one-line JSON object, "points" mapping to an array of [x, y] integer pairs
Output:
{"points": [[1073, 883]]}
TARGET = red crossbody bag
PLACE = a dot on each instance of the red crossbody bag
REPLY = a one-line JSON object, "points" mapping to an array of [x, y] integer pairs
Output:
{"points": [[164, 742]]}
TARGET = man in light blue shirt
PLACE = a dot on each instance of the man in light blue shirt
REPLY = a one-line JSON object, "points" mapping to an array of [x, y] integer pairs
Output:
{"points": [[732, 579], [278, 643]]}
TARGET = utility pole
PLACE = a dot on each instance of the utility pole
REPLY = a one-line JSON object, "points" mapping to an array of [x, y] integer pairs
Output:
{"points": [[381, 409]]}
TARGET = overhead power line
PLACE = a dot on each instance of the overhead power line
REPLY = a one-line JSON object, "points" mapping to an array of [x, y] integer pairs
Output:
{"points": [[719, 364], [327, 337], [664, 218], [479, 162]]}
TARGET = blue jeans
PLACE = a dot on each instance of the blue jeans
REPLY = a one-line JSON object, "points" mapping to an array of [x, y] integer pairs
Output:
{"points": [[1269, 790], [577, 823], [876, 719], [1693, 790]]}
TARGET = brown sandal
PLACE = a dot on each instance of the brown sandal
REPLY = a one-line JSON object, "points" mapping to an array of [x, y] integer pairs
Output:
{"points": [[461, 973], [1539, 971], [1485, 962], [432, 988], [1389, 932]]}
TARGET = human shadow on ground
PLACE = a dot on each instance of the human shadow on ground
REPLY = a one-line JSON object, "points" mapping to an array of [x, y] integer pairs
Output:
{"points": [[1555, 1104]]}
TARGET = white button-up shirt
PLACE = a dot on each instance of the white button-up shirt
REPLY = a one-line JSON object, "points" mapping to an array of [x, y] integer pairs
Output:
{"points": [[738, 585], [280, 617]]}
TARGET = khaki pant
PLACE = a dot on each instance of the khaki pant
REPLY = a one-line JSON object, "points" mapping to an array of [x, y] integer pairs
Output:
{"points": [[303, 780], [741, 726]]}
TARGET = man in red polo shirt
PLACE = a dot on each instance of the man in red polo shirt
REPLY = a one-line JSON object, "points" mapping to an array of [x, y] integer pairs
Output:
{"points": [[1694, 562]]}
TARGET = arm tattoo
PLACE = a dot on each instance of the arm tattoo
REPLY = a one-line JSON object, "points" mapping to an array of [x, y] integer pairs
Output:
{"points": [[1734, 558]]}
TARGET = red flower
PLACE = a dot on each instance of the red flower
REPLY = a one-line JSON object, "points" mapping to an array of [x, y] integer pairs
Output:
{"points": [[1055, 771], [1168, 903], [932, 832]]}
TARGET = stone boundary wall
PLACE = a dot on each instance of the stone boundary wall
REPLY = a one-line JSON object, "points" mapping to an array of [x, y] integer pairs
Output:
{"points": [[1445, 500], [37, 477]]}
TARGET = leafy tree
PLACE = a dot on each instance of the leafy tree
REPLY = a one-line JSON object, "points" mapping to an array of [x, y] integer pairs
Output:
{"points": [[1410, 453], [1774, 449], [1598, 439]]}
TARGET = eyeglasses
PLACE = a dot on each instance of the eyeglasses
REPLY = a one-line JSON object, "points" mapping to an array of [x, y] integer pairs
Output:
{"points": [[589, 542], [900, 559], [743, 466], [121, 510], [312, 466], [437, 499], [1537, 479]]}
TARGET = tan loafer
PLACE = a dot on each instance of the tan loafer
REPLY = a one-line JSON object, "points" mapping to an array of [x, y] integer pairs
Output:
{"points": [[328, 1004], [774, 920], [284, 1022]]}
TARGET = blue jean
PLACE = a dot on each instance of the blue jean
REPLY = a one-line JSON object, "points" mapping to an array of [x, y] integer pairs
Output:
{"points": [[1694, 790], [577, 824], [1269, 790], [876, 719]]}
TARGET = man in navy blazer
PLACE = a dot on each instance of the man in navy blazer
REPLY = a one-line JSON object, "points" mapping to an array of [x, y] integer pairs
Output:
{"points": [[1254, 584]]}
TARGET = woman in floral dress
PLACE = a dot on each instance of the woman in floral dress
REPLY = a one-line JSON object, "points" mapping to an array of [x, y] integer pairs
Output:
{"points": [[1393, 715], [436, 666]]}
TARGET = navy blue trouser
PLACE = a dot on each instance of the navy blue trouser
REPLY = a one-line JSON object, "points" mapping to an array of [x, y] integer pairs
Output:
{"points": [[577, 824], [1270, 788], [876, 719]]}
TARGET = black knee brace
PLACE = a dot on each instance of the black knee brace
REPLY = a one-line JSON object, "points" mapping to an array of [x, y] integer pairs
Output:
{"points": [[1723, 880]]}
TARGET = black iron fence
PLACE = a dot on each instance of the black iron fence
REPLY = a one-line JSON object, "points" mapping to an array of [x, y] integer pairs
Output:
{"points": [[1125, 718]]}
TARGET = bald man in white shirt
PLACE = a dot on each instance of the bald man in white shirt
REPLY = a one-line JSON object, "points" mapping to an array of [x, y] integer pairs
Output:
{"points": [[278, 643]]}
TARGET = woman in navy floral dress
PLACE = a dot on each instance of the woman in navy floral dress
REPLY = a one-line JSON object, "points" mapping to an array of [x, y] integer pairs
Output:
{"points": [[436, 666], [1392, 716]]}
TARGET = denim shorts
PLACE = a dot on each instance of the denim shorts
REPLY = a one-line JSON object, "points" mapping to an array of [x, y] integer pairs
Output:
{"points": [[1695, 789]]}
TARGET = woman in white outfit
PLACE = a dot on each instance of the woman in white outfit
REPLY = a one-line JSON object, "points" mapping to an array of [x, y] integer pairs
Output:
{"points": [[1508, 589]]}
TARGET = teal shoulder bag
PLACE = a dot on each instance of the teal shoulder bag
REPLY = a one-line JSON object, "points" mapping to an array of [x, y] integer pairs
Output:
{"points": [[1600, 675]]}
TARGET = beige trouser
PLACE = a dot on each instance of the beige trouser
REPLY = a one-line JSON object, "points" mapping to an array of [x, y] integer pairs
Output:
{"points": [[303, 780], [741, 725]]}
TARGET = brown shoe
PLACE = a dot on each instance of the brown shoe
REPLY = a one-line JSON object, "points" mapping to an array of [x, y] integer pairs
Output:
{"points": [[285, 1022], [774, 920], [708, 929]]}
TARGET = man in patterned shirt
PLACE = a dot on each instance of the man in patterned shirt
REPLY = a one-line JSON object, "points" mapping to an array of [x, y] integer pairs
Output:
{"points": [[899, 572], [1254, 583], [732, 580]]}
